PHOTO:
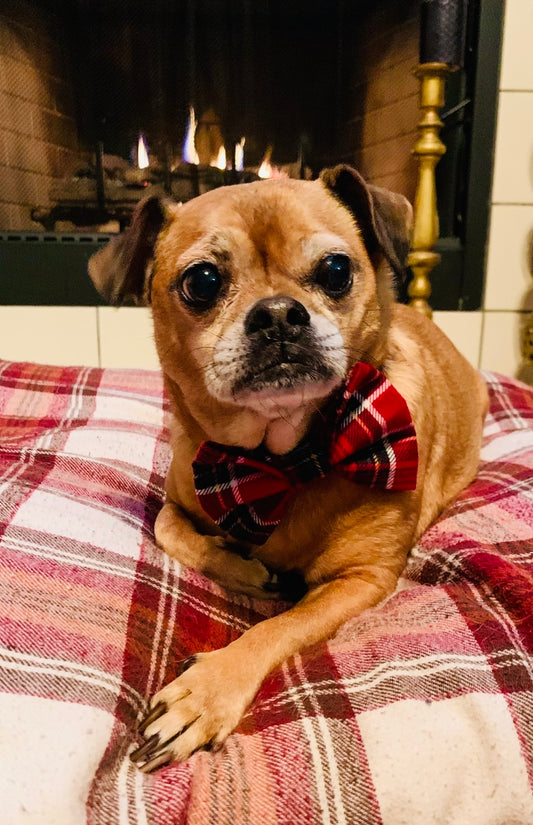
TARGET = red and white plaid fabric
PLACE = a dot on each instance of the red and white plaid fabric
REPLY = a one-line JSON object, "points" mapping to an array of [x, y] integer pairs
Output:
{"points": [[419, 711], [366, 434]]}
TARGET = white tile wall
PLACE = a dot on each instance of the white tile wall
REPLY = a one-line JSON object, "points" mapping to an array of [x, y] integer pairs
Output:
{"points": [[517, 62], [92, 336], [464, 329], [126, 337], [509, 281], [108, 337], [513, 162], [500, 349], [49, 335]]}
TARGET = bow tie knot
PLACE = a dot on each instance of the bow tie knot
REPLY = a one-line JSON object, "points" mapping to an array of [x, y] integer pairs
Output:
{"points": [[368, 436]]}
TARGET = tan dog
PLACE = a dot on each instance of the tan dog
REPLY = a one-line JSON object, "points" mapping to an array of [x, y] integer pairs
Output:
{"points": [[263, 297]]}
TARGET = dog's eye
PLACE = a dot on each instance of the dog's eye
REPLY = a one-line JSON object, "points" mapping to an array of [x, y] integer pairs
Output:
{"points": [[334, 274], [200, 285]]}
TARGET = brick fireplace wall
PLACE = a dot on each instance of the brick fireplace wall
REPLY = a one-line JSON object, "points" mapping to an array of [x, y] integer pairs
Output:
{"points": [[383, 122], [38, 138], [38, 135]]}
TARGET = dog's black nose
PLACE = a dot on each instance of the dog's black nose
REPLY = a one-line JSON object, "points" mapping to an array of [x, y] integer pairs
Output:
{"points": [[278, 318]]}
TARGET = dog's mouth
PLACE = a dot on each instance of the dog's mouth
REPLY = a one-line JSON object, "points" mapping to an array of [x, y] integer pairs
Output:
{"points": [[277, 388], [284, 375], [282, 366]]}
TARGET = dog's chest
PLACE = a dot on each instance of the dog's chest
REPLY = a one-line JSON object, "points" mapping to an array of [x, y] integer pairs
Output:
{"points": [[309, 524]]}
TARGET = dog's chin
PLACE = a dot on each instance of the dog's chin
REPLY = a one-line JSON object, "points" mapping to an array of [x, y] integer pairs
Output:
{"points": [[288, 409], [278, 401], [281, 398]]}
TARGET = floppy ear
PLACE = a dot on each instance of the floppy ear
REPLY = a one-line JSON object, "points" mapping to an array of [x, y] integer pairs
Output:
{"points": [[385, 218], [120, 270]]}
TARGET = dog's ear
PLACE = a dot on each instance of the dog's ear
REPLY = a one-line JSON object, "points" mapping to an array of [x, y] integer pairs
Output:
{"points": [[120, 270], [385, 218]]}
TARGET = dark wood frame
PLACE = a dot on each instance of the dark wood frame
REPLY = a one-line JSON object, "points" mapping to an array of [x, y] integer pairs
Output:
{"points": [[464, 207]]}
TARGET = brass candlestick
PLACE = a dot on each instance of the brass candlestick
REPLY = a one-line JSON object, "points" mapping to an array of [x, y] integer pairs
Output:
{"points": [[527, 340], [428, 149], [525, 373]]}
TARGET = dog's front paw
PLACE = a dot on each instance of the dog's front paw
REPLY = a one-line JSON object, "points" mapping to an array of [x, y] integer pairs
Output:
{"points": [[194, 711], [252, 577], [231, 567]]}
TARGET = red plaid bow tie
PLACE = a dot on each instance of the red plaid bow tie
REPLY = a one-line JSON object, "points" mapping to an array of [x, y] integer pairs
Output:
{"points": [[371, 439]]}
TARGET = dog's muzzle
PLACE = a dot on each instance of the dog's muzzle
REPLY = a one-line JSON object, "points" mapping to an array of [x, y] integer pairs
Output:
{"points": [[283, 351]]}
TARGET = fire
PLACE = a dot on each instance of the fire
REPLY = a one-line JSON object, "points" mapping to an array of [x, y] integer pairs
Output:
{"points": [[267, 169], [190, 155], [143, 160], [239, 155], [220, 160]]}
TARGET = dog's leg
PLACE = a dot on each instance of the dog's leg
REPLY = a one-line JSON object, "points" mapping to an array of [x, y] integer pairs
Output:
{"points": [[178, 537], [206, 702]]}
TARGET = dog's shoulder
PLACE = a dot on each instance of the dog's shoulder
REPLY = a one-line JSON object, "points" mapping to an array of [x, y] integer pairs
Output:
{"points": [[417, 339], [427, 368]]}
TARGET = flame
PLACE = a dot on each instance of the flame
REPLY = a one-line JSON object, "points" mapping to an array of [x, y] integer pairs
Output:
{"points": [[239, 155], [268, 170], [190, 155], [143, 160], [265, 169], [220, 160]]}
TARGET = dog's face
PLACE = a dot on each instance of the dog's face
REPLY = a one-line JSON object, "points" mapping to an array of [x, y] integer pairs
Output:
{"points": [[263, 295], [260, 294]]}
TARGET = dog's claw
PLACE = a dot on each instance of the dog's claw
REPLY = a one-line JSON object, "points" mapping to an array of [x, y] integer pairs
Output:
{"points": [[146, 751], [160, 761], [186, 664], [154, 714]]}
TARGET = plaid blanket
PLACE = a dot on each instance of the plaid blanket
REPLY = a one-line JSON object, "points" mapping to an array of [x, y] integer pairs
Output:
{"points": [[420, 711]]}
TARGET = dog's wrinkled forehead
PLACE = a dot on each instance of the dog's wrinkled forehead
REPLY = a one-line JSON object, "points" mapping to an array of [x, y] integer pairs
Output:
{"points": [[216, 244], [272, 248], [282, 233], [263, 210]]}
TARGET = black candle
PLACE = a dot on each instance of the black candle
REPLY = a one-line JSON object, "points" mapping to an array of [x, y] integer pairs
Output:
{"points": [[442, 31]]}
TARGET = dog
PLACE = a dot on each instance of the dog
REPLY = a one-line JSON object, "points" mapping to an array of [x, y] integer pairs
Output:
{"points": [[265, 296]]}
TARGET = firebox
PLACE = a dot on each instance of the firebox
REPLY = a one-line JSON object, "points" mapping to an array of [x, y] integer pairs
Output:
{"points": [[106, 101]]}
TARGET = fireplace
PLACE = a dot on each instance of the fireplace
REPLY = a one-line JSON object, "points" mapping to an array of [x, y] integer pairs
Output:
{"points": [[100, 99], [92, 81]]}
